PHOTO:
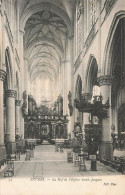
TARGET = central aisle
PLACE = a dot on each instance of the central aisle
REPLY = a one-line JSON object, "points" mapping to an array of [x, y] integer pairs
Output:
{"points": [[47, 164]]}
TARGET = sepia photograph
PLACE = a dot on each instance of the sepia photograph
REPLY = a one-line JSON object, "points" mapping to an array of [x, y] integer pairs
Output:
{"points": [[62, 97]]}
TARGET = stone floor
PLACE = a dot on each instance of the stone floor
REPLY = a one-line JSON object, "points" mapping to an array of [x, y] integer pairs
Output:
{"points": [[47, 163], [48, 173]]}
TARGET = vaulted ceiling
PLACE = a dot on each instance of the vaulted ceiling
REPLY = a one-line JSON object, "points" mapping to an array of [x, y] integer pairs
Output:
{"points": [[47, 24], [45, 34]]}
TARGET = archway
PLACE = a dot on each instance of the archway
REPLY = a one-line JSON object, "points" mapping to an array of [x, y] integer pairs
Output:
{"points": [[114, 65], [117, 68], [78, 89], [91, 86], [91, 74]]}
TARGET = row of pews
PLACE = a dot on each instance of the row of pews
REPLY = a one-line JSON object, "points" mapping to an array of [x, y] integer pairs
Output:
{"points": [[118, 163], [7, 158], [9, 171]]}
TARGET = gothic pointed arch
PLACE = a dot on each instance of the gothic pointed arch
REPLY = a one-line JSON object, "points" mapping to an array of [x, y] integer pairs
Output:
{"points": [[107, 65], [114, 65], [78, 88], [91, 74]]}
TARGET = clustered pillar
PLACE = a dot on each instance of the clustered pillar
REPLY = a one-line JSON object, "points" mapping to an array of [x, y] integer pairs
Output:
{"points": [[2, 147], [106, 148], [10, 120]]}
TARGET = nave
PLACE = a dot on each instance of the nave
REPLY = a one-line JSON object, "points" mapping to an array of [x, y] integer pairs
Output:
{"points": [[62, 78], [50, 164]]}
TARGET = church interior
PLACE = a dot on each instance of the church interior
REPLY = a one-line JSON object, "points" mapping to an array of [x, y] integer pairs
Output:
{"points": [[62, 88]]}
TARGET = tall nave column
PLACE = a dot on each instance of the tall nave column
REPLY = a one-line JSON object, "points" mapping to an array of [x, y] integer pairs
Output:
{"points": [[10, 120], [69, 85], [106, 149], [64, 86], [2, 77], [17, 122], [22, 74]]}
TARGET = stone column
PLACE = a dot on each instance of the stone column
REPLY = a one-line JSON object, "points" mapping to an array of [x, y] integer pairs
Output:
{"points": [[10, 120], [22, 74], [106, 148], [2, 147], [2, 77], [17, 119], [26, 85], [69, 83], [64, 87]]}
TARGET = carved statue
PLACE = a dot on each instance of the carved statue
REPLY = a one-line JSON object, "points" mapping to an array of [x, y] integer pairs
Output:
{"points": [[70, 103], [24, 95]]}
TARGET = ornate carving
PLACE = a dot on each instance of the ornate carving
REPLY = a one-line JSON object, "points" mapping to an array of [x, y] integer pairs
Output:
{"points": [[104, 80], [92, 11], [80, 35], [70, 103], [78, 62], [24, 106], [18, 102], [108, 5], [92, 130], [2, 75], [96, 108], [9, 33], [30, 98], [25, 95], [60, 98], [90, 38], [60, 104], [80, 26], [11, 93], [80, 10], [44, 110], [17, 59]]}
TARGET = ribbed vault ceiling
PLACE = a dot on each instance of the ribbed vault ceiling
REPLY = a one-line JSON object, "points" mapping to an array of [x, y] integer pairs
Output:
{"points": [[45, 35], [45, 38]]}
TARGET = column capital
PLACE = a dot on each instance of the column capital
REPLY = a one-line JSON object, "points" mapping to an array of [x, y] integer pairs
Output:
{"points": [[18, 102], [11, 93], [104, 80], [2, 75]]}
